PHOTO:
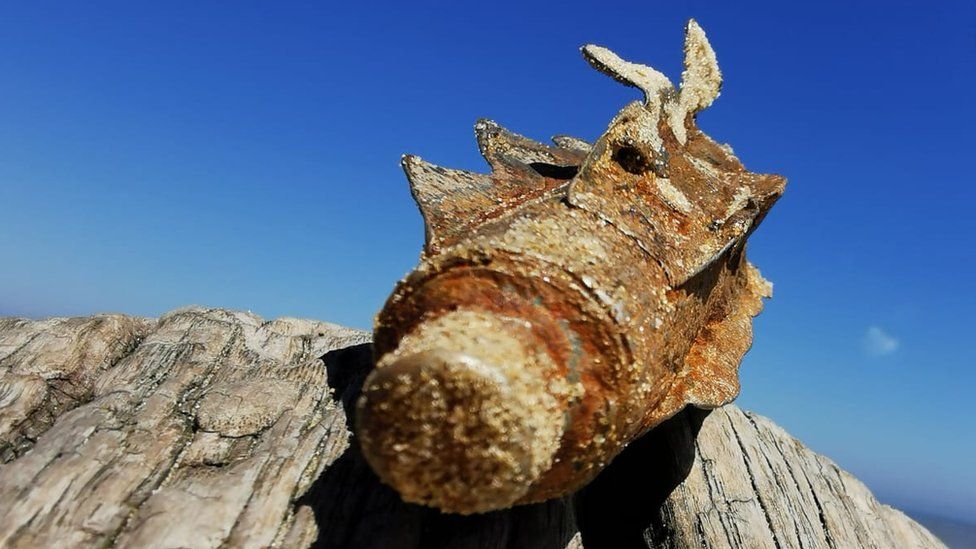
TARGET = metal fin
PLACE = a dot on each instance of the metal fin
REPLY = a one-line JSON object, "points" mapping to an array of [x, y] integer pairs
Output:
{"points": [[642, 77], [507, 150], [455, 202], [450, 200], [701, 80], [712, 364]]}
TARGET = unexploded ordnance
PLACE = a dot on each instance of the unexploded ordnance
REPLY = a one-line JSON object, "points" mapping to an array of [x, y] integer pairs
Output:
{"points": [[567, 302]]}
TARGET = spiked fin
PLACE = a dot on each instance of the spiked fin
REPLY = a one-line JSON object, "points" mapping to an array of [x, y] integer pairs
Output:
{"points": [[501, 147], [454, 202], [450, 200]]}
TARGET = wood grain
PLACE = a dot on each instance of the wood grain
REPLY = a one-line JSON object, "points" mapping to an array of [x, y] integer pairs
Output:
{"points": [[210, 428]]}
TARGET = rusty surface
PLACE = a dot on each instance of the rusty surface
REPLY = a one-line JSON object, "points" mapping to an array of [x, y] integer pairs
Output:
{"points": [[609, 284]]}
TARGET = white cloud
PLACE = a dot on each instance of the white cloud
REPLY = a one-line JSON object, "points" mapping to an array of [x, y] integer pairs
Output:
{"points": [[877, 342]]}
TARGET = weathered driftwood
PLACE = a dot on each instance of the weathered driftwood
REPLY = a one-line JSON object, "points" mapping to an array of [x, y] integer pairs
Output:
{"points": [[210, 427]]}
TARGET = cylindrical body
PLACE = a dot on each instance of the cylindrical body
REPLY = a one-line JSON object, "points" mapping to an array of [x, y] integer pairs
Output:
{"points": [[579, 331]]}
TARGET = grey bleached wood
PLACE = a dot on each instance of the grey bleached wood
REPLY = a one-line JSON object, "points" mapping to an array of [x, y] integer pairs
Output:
{"points": [[211, 428], [756, 486]]}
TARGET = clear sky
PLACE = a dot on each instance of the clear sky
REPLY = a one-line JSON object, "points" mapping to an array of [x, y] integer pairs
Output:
{"points": [[246, 155]]}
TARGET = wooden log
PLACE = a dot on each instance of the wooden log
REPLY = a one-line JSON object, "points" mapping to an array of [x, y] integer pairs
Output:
{"points": [[210, 428]]}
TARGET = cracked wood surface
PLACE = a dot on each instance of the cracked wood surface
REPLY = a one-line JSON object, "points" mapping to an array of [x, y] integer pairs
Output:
{"points": [[210, 428]]}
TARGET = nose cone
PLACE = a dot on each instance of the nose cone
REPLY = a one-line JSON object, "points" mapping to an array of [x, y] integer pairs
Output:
{"points": [[448, 427]]}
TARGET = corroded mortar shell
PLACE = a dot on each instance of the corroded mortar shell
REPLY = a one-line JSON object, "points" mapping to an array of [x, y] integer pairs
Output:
{"points": [[567, 302]]}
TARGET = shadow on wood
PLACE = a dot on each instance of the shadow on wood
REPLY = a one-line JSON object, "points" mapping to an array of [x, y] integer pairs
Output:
{"points": [[621, 508]]}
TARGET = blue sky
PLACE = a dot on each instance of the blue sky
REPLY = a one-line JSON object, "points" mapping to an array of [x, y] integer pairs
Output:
{"points": [[245, 155]]}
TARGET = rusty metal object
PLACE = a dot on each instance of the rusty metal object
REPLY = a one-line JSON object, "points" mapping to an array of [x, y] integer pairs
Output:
{"points": [[567, 302]]}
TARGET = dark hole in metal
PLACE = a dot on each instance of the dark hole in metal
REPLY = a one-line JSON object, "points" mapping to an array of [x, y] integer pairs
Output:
{"points": [[631, 160], [553, 171]]}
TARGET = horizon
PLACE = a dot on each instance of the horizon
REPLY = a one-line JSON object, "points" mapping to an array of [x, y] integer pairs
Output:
{"points": [[248, 158]]}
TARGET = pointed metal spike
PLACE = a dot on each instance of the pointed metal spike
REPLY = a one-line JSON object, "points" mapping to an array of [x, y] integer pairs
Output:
{"points": [[767, 188], [642, 77], [701, 80], [511, 152], [447, 198], [432, 184]]}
